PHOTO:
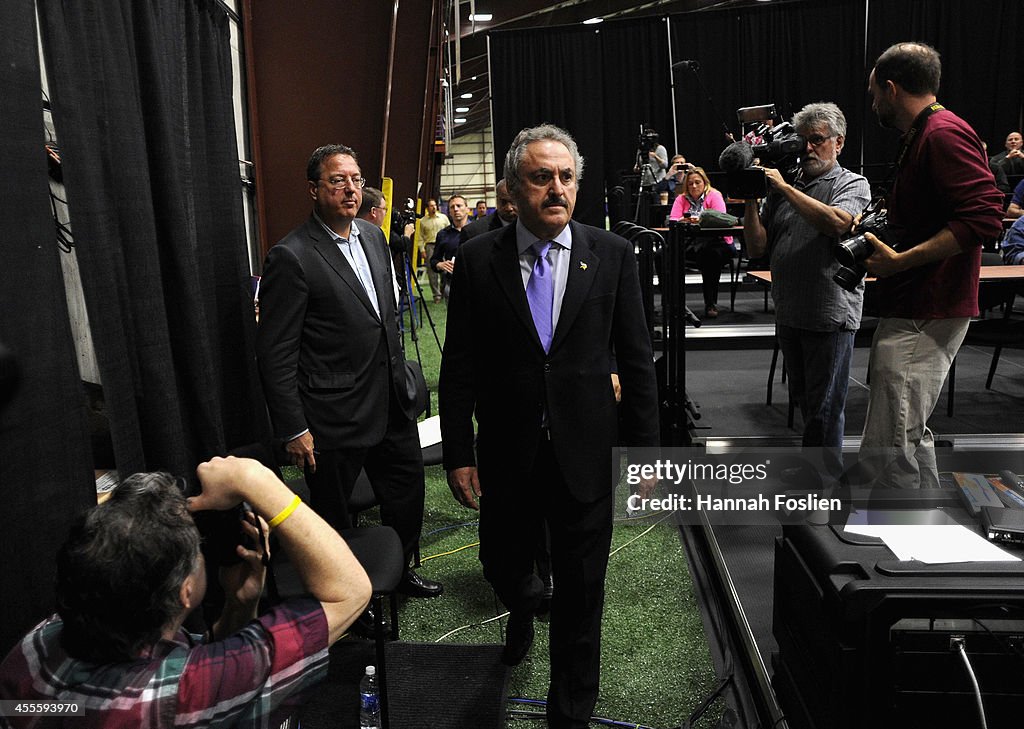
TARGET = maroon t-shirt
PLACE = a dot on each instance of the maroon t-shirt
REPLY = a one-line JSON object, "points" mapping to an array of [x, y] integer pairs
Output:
{"points": [[945, 182]]}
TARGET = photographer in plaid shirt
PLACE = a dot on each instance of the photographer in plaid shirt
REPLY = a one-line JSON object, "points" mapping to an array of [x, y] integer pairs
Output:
{"points": [[130, 573]]}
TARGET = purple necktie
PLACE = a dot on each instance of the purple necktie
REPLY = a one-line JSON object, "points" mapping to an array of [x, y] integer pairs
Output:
{"points": [[540, 293]]}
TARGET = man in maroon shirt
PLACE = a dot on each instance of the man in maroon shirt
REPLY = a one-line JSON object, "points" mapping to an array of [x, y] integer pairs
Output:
{"points": [[942, 206]]}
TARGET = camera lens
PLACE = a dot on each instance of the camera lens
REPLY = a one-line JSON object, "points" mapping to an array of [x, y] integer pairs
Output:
{"points": [[853, 250], [849, 278]]}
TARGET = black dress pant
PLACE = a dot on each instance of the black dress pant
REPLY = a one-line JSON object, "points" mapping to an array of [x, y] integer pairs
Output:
{"points": [[512, 519], [711, 257], [395, 469]]}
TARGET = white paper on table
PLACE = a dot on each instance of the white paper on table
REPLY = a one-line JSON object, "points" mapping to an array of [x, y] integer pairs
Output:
{"points": [[934, 543]]}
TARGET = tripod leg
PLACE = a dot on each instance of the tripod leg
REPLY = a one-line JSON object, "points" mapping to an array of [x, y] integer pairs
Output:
{"points": [[425, 308]]}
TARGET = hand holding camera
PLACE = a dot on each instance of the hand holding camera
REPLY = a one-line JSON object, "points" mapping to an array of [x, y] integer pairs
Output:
{"points": [[869, 241]]}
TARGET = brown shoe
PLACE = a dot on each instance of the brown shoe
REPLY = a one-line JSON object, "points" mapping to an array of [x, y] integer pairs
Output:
{"points": [[711, 312]]}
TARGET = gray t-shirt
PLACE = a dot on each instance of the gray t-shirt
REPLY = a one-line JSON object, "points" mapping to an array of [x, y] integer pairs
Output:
{"points": [[803, 260]]}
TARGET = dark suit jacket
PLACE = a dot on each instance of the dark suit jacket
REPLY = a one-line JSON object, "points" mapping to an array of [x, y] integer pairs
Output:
{"points": [[494, 365], [481, 226], [327, 361]]}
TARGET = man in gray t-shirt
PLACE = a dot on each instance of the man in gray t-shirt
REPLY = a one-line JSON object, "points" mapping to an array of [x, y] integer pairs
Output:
{"points": [[799, 225]]}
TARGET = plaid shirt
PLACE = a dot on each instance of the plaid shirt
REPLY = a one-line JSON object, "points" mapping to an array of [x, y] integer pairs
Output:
{"points": [[252, 678]]}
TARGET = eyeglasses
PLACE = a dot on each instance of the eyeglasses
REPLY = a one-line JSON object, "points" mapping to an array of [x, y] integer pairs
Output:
{"points": [[380, 207], [342, 180], [816, 140]]}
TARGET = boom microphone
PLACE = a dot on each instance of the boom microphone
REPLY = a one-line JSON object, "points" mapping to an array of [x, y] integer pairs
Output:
{"points": [[737, 156]]}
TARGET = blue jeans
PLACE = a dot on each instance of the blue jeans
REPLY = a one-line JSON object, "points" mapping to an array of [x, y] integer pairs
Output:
{"points": [[818, 364]]}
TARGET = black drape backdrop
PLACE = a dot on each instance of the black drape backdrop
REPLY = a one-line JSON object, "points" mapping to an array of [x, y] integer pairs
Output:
{"points": [[142, 106], [556, 78], [635, 64], [789, 54], [45, 466], [600, 85], [982, 55]]}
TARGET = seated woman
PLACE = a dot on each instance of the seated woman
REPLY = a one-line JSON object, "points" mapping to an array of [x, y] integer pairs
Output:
{"points": [[711, 254]]}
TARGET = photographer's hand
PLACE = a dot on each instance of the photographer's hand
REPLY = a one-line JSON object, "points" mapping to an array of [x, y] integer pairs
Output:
{"points": [[884, 261], [826, 219], [328, 569], [775, 179], [243, 582]]}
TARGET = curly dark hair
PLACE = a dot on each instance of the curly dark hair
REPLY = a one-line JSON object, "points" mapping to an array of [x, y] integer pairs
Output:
{"points": [[120, 571]]}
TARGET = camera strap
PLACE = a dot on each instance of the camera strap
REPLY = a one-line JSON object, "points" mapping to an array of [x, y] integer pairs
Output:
{"points": [[912, 133], [908, 139]]}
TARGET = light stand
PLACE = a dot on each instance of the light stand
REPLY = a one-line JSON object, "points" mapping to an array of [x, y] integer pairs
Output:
{"points": [[695, 67]]}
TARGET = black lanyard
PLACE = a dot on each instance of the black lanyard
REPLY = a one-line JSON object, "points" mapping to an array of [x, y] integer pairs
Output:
{"points": [[908, 139]]}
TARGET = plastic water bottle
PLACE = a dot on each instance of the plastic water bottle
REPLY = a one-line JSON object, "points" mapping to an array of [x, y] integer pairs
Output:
{"points": [[369, 700]]}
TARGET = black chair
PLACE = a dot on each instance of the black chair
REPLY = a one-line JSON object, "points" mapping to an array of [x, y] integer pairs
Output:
{"points": [[1000, 334], [984, 332], [377, 548], [379, 551]]}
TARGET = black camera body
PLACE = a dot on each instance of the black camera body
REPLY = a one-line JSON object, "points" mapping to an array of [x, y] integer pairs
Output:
{"points": [[781, 148], [852, 251], [684, 167], [221, 531], [647, 141]]}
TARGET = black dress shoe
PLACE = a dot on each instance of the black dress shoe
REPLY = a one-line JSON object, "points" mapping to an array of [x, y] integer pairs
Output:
{"points": [[414, 585], [518, 637]]}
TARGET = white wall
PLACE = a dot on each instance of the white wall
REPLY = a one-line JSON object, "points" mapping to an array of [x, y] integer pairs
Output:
{"points": [[468, 169]]}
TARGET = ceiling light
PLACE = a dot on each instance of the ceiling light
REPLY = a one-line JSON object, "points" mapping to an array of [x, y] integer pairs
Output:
{"points": [[481, 17], [467, 95], [461, 109], [460, 120], [593, 21]]}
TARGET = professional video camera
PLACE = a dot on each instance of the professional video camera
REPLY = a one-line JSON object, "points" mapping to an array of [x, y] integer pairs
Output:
{"points": [[402, 216], [647, 141], [780, 147], [854, 250]]}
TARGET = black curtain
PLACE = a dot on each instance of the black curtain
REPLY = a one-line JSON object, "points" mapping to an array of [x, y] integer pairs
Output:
{"points": [[45, 472], [552, 76], [635, 67], [142, 106], [790, 55], [982, 54]]}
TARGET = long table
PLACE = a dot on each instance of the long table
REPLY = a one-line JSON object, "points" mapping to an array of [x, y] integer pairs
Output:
{"points": [[988, 273]]}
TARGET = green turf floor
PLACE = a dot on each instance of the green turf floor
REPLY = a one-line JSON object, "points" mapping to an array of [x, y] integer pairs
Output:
{"points": [[655, 666]]}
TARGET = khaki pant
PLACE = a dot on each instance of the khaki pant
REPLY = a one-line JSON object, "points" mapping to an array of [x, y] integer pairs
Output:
{"points": [[909, 361]]}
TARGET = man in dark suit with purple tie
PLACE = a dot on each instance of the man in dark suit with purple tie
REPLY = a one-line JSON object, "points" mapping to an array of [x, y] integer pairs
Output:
{"points": [[536, 310]]}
